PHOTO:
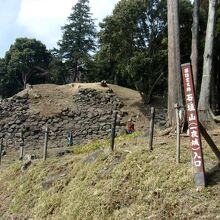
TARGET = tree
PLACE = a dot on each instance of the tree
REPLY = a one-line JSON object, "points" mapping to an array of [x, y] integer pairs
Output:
{"points": [[174, 78], [204, 99], [133, 45], [3, 78], [78, 41], [23, 57], [2, 69], [57, 71], [195, 42], [215, 79]]}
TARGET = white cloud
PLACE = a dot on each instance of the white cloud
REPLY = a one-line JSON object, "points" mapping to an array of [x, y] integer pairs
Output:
{"points": [[44, 18]]}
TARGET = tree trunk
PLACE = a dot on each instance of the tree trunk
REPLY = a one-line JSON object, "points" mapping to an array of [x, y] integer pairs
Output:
{"points": [[149, 95], [174, 71], [115, 79], [204, 99], [195, 39], [24, 79], [75, 72]]}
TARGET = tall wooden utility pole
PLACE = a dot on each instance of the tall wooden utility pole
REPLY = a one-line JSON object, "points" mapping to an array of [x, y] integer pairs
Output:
{"points": [[174, 71], [195, 40]]}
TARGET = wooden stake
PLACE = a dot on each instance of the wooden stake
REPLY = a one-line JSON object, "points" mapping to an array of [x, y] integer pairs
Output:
{"points": [[22, 146], [176, 106], [21, 152], [1, 148], [114, 117], [70, 138], [209, 141], [45, 144], [151, 132]]}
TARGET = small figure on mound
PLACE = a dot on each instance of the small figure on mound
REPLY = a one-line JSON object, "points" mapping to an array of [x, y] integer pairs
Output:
{"points": [[103, 83], [29, 86], [130, 126]]}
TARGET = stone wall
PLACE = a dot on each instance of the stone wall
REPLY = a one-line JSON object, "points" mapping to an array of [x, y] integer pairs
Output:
{"points": [[91, 120]]}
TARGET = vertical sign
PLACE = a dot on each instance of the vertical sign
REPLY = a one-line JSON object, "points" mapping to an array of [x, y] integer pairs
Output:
{"points": [[192, 118]]}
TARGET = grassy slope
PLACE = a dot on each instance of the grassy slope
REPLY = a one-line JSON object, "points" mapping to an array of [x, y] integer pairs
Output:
{"points": [[131, 183]]}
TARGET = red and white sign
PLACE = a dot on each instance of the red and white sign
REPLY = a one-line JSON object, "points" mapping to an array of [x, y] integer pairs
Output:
{"points": [[192, 117]]}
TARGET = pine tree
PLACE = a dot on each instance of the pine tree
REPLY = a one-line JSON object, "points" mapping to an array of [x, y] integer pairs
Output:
{"points": [[78, 41]]}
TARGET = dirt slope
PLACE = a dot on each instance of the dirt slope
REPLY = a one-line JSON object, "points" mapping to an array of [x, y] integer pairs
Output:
{"points": [[49, 98]]}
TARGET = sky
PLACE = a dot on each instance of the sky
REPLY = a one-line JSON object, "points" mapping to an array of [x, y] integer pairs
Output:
{"points": [[41, 19]]}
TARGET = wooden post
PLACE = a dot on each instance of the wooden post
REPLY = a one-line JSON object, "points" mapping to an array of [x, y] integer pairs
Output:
{"points": [[176, 106], [193, 123], [45, 144], [174, 76], [209, 141], [195, 42], [1, 148], [151, 132], [114, 117], [70, 138], [22, 146]]}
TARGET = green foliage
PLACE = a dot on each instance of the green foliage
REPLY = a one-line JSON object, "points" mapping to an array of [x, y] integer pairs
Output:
{"points": [[3, 78], [21, 59], [78, 41], [57, 71], [132, 42], [94, 145]]}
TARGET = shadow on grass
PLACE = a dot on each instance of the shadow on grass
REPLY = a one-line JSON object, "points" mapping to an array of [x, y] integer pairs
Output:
{"points": [[213, 175]]}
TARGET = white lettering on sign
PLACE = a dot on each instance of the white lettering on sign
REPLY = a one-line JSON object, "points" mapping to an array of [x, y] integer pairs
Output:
{"points": [[189, 97], [198, 163], [192, 118], [186, 70], [195, 142], [191, 126], [194, 134], [190, 107], [187, 80], [196, 156]]}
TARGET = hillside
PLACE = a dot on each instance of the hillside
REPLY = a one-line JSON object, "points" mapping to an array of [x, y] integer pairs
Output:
{"points": [[86, 181], [49, 99], [85, 110], [131, 183]]}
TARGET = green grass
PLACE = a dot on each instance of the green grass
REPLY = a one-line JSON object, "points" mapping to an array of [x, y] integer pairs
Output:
{"points": [[92, 146], [130, 183]]}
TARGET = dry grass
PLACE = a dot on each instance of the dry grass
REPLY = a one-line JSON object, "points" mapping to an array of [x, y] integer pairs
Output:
{"points": [[49, 99], [131, 183]]}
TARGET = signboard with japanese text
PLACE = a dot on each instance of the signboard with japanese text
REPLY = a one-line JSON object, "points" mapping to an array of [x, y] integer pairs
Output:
{"points": [[192, 118]]}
